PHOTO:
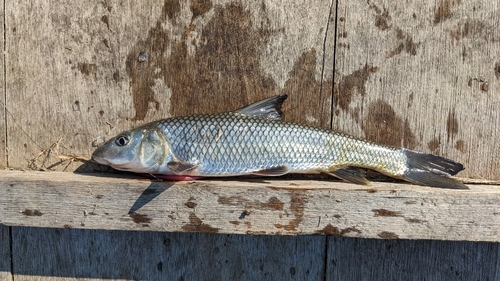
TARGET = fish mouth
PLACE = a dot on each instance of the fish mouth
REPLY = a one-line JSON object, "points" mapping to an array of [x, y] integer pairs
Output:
{"points": [[101, 161]]}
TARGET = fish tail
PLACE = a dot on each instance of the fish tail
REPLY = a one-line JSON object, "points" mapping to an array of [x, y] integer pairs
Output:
{"points": [[431, 170]]}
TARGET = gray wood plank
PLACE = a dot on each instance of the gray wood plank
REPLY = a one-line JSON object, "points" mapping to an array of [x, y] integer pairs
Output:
{"points": [[5, 254], [409, 75], [56, 254], [3, 98], [249, 206], [84, 79], [370, 259]]}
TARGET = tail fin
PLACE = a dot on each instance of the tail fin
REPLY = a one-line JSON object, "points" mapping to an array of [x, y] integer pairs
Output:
{"points": [[432, 170]]}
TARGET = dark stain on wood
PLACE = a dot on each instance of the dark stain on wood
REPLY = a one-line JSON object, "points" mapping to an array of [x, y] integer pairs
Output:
{"points": [[406, 44], [140, 218], [410, 202], [107, 5], [234, 222], [67, 226], [200, 7], [297, 204], [497, 70], [171, 9], [382, 18], [335, 231], [388, 235], [434, 145], [196, 225], [223, 62], [105, 20], [463, 30], [384, 126], [87, 68], [444, 10], [337, 216], [350, 85], [190, 204], [272, 204], [30, 213], [452, 125], [386, 213], [410, 220], [302, 79], [460, 146], [249, 232]]}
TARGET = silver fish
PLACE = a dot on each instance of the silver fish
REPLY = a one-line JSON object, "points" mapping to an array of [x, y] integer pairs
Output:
{"points": [[254, 141]]}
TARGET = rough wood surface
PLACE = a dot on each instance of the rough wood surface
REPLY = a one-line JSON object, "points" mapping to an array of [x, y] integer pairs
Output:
{"points": [[3, 140], [5, 255], [419, 75], [412, 75], [58, 254], [411, 260], [251, 206], [63, 254], [92, 69]]}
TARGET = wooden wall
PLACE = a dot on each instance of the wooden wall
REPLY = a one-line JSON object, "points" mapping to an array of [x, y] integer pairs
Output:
{"points": [[121, 255], [422, 74], [401, 74]]}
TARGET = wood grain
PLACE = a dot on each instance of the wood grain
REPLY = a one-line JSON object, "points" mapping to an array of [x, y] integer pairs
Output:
{"points": [[131, 255], [3, 126], [411, 260], [89, 75], [409, 75], [249, 206], [5, 254]]}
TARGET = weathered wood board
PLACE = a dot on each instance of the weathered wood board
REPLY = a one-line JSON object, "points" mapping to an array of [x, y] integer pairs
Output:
{"points": [[92, 69], [66, 254], [3, 140], [251, 206], [5, 254], [369, 259], [58, 254], [422, 76], [412, 75]]}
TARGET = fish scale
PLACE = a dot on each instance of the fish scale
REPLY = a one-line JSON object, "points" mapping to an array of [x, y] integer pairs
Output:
{"points": [[231, 143], [254, 140]]}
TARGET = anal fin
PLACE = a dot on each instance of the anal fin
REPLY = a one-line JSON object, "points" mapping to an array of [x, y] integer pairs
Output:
{"points": [[351, 174], [272, 172]]}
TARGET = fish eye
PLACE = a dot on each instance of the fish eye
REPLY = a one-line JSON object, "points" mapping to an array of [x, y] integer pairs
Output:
{"points": [[122, 140]]}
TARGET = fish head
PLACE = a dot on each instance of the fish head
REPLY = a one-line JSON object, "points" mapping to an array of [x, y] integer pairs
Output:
{"points": [[141, 150]]}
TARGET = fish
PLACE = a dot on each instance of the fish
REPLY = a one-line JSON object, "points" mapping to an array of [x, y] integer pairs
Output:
{"points": [[254, 140]]}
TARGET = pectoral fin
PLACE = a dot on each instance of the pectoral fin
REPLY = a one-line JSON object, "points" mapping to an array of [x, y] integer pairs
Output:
{"points": [[180, 167], [351, 174], [272, 172]]}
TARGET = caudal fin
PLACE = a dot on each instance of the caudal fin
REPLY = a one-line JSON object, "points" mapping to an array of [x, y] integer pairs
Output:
{"points": [[432, 170]]}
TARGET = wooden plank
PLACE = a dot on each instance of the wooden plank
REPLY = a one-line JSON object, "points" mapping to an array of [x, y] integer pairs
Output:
{"points": [[3, 140], [92, 69], [5, 255], [370, 259], [68, 61], [60, 254], [407, 76], [252, 206]]}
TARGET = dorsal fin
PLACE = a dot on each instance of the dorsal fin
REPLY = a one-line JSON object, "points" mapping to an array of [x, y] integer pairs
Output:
{"points": [[269, 108]]}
